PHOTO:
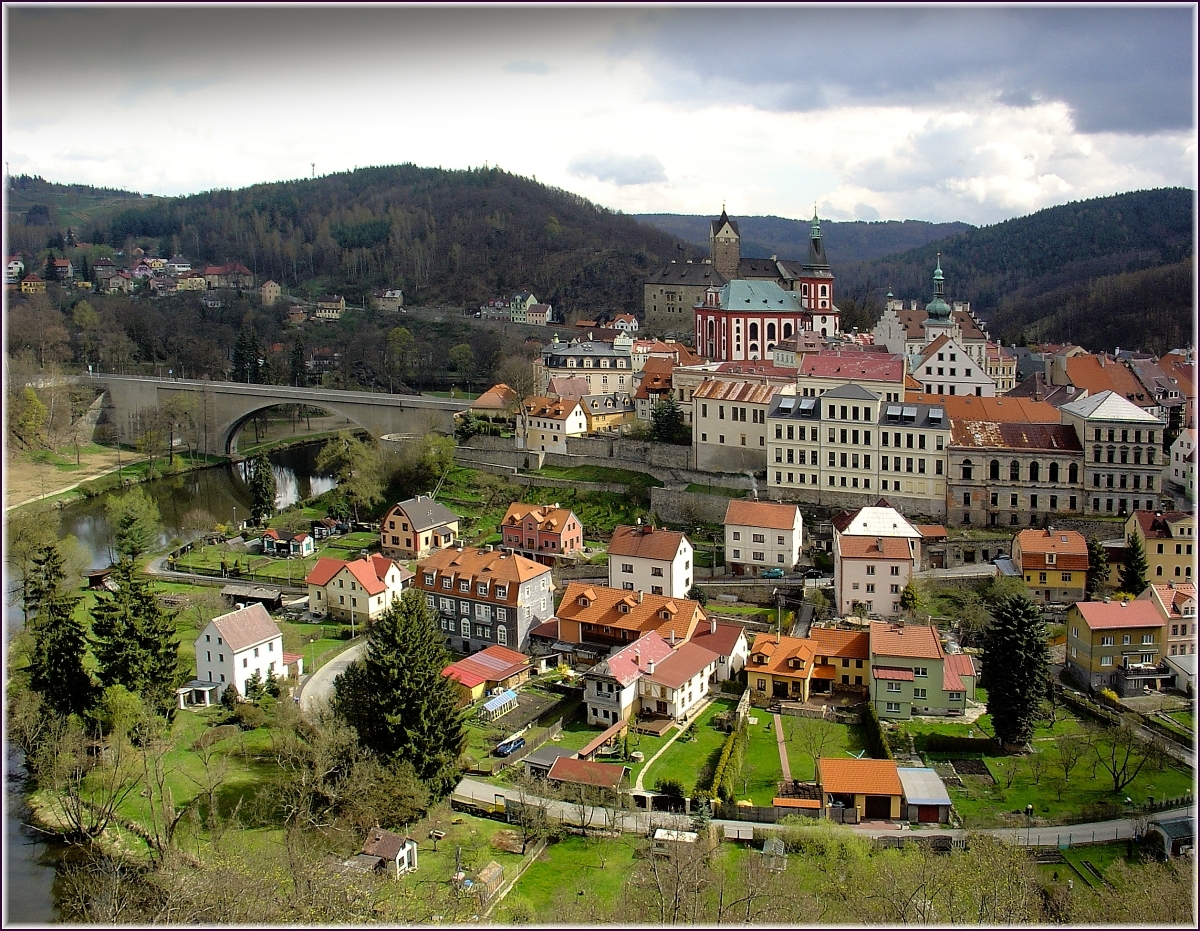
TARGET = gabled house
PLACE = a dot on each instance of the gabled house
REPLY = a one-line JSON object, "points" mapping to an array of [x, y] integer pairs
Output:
{"points": [[1179, 471], [541, 532], [1169, 540], [539, 314], [599, 615], [1117, 645], [235, 646], [393, 852], [33, 284], [945, 367], [191, 281], [492, 668], [762, 535], [550, 421], [780, 667], [275, 543], [357, 591], [728, 642], [63, 269], [678, 683], [387, 299], [627, 323], [330, 307], [911, 673], [229, 275], [417, 527], [876, 551], [1053, 563], [608, 413], [1176, 604], [270, 292], [498, 399], [654, 386], [610, 688], [870, 788], [14, 268], [642, 558]]}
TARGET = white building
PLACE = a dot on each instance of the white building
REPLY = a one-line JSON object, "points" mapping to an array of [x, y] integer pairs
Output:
{"points": [[610, 688], [945, 367], [550, 421], [235, 646], [875, 553], [647, 560], [728, 642], [762, 535], [675, 686], [1180, 468]]}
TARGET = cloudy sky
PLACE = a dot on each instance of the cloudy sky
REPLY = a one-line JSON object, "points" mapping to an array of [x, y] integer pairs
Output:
{"points": [[926, 112]]}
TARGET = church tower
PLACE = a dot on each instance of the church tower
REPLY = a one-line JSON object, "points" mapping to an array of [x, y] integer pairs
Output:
{"points": [[816, 277], [725, 246], [938, 320]]}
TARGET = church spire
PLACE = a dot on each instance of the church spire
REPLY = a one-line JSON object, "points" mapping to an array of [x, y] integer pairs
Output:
{"points": [[816, 248], [938, 309]]}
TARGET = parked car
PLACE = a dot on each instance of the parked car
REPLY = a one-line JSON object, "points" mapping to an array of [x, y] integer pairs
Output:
{"points": [[771, 574], [510, 747], [814, 573]]}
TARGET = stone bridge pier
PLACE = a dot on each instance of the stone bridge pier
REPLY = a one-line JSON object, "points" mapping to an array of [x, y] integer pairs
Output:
{"points": [[221, 409]]}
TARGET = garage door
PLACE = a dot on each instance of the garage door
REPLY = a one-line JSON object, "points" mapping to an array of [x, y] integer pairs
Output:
{"points": [[927, 814], [879, 806]]}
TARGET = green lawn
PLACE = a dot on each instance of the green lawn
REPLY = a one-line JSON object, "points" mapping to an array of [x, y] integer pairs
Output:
{"points": [[690, 761], [842, 740], [761, 772], [599, 474], [269, 568], [716, 490], [595, 867]]}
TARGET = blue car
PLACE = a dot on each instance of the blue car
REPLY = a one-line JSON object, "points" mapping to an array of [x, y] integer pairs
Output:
{"points": [[772, 574], [510, 747]]}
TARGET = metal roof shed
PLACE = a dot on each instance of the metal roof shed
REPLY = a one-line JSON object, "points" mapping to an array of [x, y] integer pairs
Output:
{"points": [[925, 795]]}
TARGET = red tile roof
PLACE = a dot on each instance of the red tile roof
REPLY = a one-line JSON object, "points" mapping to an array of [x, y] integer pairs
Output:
{"points": [[868, 547], [628, 664], [859, 777], [1156, 525], [493, 664], [634, 611], [912, 641], [549, 629], [1068, 546], [585, 772], [892, 673], [720, 389], [844, 644], [1090, 372], [1098, 615], [954, 668], [745, 513], [778, 653], [246, 627], [855, 365], [685, 661], [1172, 596], [995, 410], [480, 565], [645, 542], [722, 641]]}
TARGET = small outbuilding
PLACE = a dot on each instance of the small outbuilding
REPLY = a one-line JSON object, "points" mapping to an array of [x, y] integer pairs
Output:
{"points": [[926, 800], [394, 852], [498, 705], [871, 787], [539, 762], [1178, 834]]}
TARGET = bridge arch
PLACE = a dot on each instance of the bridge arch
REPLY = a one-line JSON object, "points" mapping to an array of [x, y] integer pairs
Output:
{"points": [[228, 433]]}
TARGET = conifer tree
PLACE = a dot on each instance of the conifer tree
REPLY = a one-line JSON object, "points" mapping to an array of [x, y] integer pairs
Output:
{"points": [[1016, 662], [56, 670], [134, 639], [1133, 573], [1097, 574], [299, 371], [262, 489], [667, 423], [397, 699]]}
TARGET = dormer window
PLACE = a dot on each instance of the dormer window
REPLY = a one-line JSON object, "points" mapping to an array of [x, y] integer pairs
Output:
{"points": [[583, 602], [1051, 559]]}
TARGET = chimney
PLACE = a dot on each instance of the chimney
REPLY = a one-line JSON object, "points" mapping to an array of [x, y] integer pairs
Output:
{"points": [[641, 595], [637, 657], [879, 544], [672, 638], [712, 621], [650, 667]]}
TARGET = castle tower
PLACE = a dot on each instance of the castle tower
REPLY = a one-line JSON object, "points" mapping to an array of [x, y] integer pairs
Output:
{"points": [[725, 246]]}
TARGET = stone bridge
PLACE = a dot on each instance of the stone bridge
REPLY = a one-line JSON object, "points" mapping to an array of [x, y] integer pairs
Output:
{"points": [[221, 409]]}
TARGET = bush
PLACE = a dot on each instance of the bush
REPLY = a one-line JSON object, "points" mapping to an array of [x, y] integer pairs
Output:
{"points": [[874, 732], [729, 766], [249, 716], [669, 787]]}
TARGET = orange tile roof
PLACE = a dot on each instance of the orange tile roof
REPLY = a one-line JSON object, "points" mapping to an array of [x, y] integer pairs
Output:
{"points": [[1099, 615], [744, 392], [1170, 595], [859, 777], [645, 542], [635, 611], [548, 518], [1087, 371], [1068, 546], [893, 673], [913, 641], [844, 644], [996, 410], [550, 408], [745, 513], [324, 570], [492, 664], [778, 653], [932, 531], [498, 397], [868, 548], [476, 563]]}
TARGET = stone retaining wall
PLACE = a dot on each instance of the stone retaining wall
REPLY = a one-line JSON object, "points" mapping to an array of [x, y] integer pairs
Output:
{"points": [[687, 507]]}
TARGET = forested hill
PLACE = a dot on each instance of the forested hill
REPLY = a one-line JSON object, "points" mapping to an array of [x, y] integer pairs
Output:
{"points": [[1112, 271], [788, 239], [444, 236]]}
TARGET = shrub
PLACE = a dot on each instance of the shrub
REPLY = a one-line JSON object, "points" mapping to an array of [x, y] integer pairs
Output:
{"points": [[669, 787], [875, 737], [249, 716]]}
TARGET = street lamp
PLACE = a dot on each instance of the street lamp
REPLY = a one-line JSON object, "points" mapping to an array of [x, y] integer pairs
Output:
{"points": [[235, 517]]}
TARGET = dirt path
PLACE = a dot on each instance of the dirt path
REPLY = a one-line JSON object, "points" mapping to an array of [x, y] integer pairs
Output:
{"points": [[27, 481], [783, 759]]}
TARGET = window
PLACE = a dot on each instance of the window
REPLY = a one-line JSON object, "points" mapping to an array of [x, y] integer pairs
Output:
{"points": [[656, 571], [627, 567], [870, 570], [1105, 660], [1147, 638], [892, 707], [893, 686], [466, 627], [895, 570], [1066, 576], [921, 672], [656, 589], [920, 693], [758, 538], [1106, 641], [895, 590]]}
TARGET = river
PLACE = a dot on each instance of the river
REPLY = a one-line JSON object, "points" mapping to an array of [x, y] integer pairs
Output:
{"points": [[222, 492]]}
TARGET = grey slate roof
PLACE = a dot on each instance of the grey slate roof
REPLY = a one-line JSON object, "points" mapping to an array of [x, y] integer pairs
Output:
{"points": [[687, 273], [246, 628], [425, 513], [922, 786]]}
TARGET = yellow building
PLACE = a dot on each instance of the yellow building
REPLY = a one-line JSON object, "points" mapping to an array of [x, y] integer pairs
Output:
{"points": [[33, 284], [1169, 539], [1053, 564]]}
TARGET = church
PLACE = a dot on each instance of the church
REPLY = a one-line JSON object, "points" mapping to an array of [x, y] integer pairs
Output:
{"points": [[785, 297]]}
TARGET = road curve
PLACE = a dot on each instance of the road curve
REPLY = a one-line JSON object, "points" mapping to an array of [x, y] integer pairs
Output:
{"points": [[318, 686]]}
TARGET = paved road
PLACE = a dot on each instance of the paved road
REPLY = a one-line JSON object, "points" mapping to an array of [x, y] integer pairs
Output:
{"points": [[640, 822], [318, 686]]}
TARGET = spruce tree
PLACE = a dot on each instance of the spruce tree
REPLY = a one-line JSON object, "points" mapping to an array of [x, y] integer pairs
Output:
{"points": [[1016, 662], [667, 423], [1097, 574], [299, 370], [397, 699], [262, 489], [1133, 573], [56, 670], [134, 639]]}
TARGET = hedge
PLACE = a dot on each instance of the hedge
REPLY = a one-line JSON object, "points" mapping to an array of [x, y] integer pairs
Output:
{"points": [[729, 766], [874, 732]]}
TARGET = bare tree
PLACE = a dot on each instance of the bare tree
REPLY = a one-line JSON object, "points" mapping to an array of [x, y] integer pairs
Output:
{"points": [[812, 734], [1069, 750], [1122, 752]]}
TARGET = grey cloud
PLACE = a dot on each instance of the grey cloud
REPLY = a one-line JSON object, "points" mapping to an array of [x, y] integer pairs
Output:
{"points": [[526, 67], [1124, 70], [865, 212], [622, 170]]}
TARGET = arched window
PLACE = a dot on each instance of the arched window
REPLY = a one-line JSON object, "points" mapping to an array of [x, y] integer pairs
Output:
{"points": [[1073, 473], [1035, 472], [994, 469], [824, 290], [1053, 476], [823, 333], [1014, 471], [967, 470], [754, 331], [770, 331], [787, 331], [710, 336], [805, 291]]}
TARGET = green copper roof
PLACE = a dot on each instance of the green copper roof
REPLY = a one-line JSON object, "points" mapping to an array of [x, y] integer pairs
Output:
{"points": [[938, 309]]}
